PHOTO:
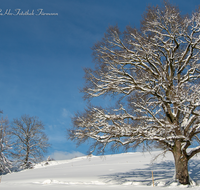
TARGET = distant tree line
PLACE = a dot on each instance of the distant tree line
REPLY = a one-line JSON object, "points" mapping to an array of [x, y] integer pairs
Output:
{"points": [[22, 143]]}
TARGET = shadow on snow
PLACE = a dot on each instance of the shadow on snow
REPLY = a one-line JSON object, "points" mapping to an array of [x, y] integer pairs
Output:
{"points": [[163, 174]]}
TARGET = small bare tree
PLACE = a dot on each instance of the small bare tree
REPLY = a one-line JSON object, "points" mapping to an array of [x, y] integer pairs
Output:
{"points": [[30, 140], [155, 73], [5, 146]]}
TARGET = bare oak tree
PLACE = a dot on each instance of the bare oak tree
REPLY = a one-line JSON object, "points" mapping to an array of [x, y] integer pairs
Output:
{"points": [[5, 146], [30, 140], [155, 73]]}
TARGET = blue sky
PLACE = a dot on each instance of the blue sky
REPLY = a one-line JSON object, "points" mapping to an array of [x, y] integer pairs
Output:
{"points": [[42, 57]]}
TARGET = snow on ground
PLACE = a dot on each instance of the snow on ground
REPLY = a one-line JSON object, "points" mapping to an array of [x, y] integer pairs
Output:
{"points": [[111, 172]]}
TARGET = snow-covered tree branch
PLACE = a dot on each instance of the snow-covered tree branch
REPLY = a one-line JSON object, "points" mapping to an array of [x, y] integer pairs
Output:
{"points": [[155, 73], [5, 146]]}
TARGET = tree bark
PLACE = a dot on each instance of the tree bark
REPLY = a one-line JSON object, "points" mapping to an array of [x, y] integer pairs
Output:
{"points": [[181, 166]]}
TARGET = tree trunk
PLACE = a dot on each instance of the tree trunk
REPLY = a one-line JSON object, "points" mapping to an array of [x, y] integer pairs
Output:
{"points": [[181, 166], [27, 155], [26, 160]]}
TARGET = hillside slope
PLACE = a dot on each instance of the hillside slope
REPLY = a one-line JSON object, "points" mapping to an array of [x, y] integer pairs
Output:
{"points": [[108, 172]]}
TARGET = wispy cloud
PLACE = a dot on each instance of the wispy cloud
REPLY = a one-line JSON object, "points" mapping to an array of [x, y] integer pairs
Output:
{"points": [[65, 113]]}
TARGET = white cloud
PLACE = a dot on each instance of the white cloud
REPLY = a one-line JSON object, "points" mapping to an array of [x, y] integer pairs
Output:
{"points": [[60, 155]]}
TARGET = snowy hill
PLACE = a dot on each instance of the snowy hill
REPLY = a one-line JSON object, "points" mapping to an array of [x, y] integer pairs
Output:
{"points": [[119, 171]]}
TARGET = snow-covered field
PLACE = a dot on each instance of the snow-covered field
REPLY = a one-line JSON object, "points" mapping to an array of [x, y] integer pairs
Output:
{"points": [[120, 171]]}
